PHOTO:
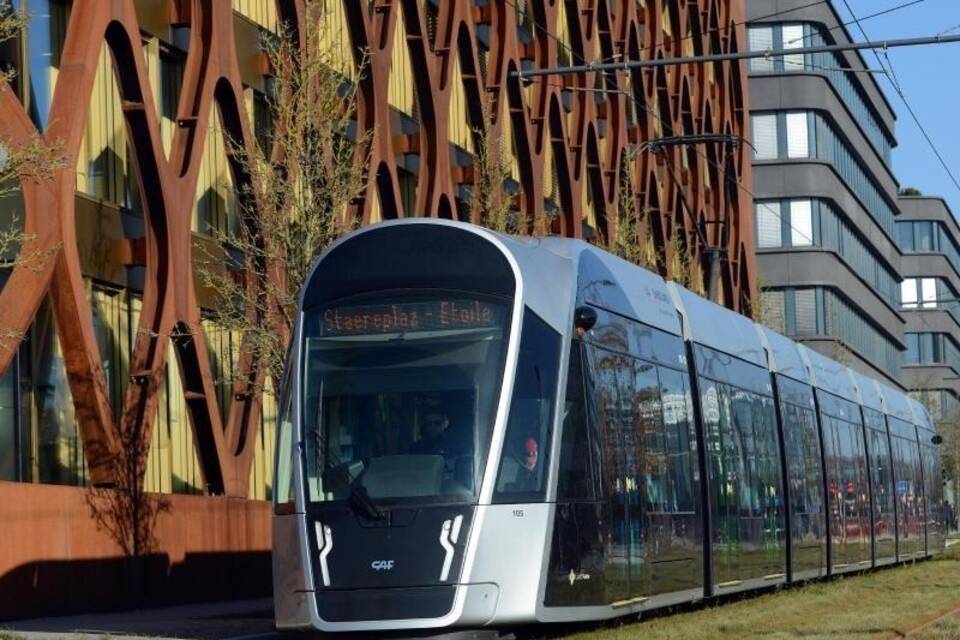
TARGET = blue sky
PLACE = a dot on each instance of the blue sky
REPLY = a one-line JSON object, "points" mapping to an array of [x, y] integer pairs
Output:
{"points": [[930, 79]]}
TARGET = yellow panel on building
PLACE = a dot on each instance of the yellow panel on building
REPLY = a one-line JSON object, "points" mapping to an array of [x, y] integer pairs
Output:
{"points": [[334, 45], [103, 167], [461, 132], [400, 94], [263, 13], [215, 209]]}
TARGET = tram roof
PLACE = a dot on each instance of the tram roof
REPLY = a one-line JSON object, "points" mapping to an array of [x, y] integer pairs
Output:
{"points": [[896, 404], [717, 327], [870, 396], [784, 357], [611, 283], [828, 374], [921, 416], [553, 268]]}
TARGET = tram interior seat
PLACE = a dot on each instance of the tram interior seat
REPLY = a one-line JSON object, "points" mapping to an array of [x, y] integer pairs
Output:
{"points": [[404, 476], [514, 477]]}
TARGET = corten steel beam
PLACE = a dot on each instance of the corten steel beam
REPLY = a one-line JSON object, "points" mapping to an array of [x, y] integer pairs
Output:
{"points": [[593, 146]]}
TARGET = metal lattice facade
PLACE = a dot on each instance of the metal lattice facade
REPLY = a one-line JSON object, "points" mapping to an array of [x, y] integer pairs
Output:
{"points": [[575, 142]]}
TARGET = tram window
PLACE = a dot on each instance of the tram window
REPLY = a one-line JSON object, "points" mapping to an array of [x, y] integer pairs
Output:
{"points": [[678, 451], [400, 392], [744, 465], [803, 459], [524, 461], [283, 494], [575, 481]]}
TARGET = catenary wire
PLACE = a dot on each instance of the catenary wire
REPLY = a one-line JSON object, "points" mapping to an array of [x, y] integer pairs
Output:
{"points": [[891, 74], [866, 17], [636, 103], [700, 153], [651, 47]]}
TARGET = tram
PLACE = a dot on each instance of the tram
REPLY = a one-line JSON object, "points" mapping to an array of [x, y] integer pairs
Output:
{"points": [[480, 431]]}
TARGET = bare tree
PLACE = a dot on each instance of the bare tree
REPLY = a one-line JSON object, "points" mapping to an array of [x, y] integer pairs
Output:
{"points": [[36, 160], [296, 199], [491, 205], [126, 511], [630, 236]]}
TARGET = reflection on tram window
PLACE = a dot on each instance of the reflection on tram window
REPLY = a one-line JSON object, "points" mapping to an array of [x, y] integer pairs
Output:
{"points": [[804, 478], [909, 486], [848, 496], [400, 395], [744, 467], [576, 480], [524, 461], [882, 485]]}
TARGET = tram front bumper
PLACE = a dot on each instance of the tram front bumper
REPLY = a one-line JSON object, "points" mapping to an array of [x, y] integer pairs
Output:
{"points": [[469, 605]]}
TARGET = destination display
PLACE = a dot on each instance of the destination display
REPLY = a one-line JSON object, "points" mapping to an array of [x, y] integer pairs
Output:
{"points": [[427, 315]]}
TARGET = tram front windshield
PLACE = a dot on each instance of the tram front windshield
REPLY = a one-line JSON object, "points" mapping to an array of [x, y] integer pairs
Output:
{"points": [[399, 395]]}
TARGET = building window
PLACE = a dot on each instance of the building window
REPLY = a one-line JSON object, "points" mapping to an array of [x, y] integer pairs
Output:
{"points": [[816, 222], [793, 39], [933, 348], [765, 136], [768, 224], [805, 318], [821, 312], [798, 135], [801, 223], [10, 449], [783, 38], [802, 134], [760, 38], [928, 293], [772, 309], [908, 293]]}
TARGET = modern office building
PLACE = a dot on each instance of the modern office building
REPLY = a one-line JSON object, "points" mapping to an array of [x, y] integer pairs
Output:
{"points": [[929, 238], [139, 97], [826, 196]]}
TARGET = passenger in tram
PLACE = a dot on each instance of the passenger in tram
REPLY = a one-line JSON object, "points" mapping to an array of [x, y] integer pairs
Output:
{"points": [[521, 467]]}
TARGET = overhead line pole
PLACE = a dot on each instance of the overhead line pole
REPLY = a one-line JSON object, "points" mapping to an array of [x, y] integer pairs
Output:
{"points": [[627, 65]]}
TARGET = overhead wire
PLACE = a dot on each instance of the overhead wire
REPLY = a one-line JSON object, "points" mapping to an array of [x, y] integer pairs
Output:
{"points": [[711, 162], [866, 17], [651, 47], [660, 119], [895, 83]]}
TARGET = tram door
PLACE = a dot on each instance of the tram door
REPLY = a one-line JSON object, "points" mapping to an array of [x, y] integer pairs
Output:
{"points": [[611, 375], [646, 508]]}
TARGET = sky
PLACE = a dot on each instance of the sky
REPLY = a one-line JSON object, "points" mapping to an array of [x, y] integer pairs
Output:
{"points": [[929, 77]]}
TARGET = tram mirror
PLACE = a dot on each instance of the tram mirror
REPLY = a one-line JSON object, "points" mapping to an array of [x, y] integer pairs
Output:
{"points": [[584, 318], [937, 439]]}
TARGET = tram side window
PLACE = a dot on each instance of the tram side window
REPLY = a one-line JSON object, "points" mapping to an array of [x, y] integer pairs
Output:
{"points": [[575, 481], [678, 448], [803, 459], [283, 495], [524, 461]]}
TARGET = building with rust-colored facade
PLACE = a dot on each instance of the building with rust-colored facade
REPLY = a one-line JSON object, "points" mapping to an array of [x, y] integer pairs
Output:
{"points": [[104, 329]]}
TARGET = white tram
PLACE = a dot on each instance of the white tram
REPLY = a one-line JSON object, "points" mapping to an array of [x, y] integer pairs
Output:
{"points": [[481, 431]]}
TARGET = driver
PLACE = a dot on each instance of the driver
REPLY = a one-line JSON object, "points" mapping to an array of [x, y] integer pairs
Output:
{"points": [[438, 438]]}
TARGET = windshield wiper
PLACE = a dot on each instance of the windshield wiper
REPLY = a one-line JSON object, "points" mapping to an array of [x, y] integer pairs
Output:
{"points": [[362, 503], [338, 476]]}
